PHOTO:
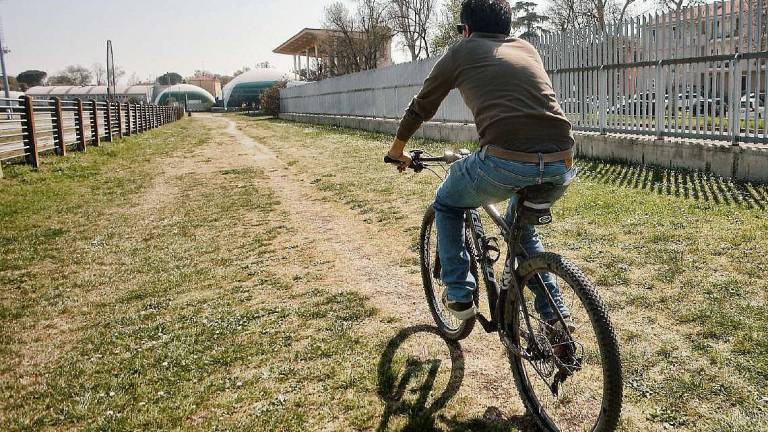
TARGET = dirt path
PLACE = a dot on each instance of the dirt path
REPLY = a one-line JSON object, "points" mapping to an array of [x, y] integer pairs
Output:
{"points": [[361, 258]]}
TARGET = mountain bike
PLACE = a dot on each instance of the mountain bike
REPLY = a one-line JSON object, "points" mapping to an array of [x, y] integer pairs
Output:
{"points": [[568, 370]]}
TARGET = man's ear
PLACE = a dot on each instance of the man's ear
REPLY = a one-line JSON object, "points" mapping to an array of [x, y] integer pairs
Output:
{"points": [[467, 30]]}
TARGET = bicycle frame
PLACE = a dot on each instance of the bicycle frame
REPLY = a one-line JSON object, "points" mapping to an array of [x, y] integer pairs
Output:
{"points": [[510, 278]]}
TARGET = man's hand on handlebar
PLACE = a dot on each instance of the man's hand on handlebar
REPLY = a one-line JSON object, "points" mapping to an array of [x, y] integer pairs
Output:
{"points": [[397, 152]]}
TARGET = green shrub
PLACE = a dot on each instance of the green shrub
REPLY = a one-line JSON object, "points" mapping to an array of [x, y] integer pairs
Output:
{"points": [[270, 98]]}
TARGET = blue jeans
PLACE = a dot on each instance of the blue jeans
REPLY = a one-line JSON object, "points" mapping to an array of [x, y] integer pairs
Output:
{"points": [[481, 179]]}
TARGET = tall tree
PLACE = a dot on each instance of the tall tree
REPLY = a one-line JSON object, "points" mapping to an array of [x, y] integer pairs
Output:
{"points": [[119, 74], [100, 73], [412, 20], [72, 75], [31, 78], [362, 35], [13, 85], [445, 32], [565, 15], [678, 5], [134, 79], [241, 71], [527, 20], [169, 78]]}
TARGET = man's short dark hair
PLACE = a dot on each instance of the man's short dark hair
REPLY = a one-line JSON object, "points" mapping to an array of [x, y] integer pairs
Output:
{"points": [[487, 16]]}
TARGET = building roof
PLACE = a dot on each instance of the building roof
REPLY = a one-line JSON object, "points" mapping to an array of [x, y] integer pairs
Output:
{"points": [[12, 94], [88, 90], [266, 76], [188, 89], [305, 40]]}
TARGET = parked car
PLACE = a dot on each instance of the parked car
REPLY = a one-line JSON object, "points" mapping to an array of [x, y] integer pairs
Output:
{"points": [[751, 104], [710, 106]]}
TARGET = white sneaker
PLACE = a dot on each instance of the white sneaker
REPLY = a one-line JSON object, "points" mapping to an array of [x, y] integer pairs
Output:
{"points": [[461, 310]]}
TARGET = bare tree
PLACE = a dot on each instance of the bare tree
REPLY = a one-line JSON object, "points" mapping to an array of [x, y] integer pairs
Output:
{"points": [[445, 33], [569, 14], [678, 5], [72, 75], [412, 20], [134, 79], [100, 73], [578, 14], [361, 35]]}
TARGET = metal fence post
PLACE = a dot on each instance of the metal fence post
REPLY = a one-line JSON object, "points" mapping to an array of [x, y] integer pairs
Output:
{"points": [[30, 145], [95, 140], [58, 114], [658, 103], [603, 96], [80, 120], [735, 91], [109, 121], [119, 120]]}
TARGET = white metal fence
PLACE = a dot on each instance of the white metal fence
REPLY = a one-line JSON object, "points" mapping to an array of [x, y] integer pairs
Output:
{"points": [[707, 64]]}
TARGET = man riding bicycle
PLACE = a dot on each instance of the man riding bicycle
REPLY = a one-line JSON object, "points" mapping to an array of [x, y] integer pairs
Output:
{"points": [[525, 139]]}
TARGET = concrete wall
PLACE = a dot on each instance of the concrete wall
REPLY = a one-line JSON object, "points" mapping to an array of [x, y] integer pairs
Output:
{"points": [[745, 162]]}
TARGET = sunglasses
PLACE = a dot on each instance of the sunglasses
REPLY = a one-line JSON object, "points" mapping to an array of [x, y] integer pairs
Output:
{"points": [[460, 28]]}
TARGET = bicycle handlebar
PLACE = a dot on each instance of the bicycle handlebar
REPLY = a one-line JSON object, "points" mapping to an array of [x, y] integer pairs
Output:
{"points": [[417, 160]]}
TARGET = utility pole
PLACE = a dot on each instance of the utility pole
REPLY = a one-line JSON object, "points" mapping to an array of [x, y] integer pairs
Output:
{"points": [[3, 52]]}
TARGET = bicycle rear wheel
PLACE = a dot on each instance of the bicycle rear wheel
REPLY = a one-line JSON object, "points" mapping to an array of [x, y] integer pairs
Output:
{"points": [[450, 326], [584, 362]]}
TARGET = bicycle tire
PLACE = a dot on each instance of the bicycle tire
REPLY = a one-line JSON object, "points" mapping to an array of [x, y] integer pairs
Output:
{"points": [[463, 329], [610, 405]]}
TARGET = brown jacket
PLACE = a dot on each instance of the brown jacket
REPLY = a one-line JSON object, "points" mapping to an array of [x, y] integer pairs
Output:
{"points": [[504, 84]]}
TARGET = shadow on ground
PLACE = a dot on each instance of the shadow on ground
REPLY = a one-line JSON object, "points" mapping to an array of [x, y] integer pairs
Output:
{"points": [[419, 387], [693, 185]]}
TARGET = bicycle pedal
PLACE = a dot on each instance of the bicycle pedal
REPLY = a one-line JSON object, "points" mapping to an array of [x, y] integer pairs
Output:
{"points": [[488, 326]]}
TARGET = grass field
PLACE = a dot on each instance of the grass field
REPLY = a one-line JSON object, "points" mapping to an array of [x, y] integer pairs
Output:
{"points": [[156, 283]]}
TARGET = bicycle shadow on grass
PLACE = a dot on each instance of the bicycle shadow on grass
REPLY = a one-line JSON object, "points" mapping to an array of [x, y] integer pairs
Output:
{"points": [[416, 363]]}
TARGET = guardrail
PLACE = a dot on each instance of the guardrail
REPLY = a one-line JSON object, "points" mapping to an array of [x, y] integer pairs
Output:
{"points": [[30, 127]]}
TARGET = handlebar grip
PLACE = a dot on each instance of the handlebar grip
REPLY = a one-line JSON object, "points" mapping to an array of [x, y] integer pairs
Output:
{"points": [[389, 160]]}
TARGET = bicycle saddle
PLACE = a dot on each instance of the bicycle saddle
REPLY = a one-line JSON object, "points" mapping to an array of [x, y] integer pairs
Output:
{"points": [[534, 206]]}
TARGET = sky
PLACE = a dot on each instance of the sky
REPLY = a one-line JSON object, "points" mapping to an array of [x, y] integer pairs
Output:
{"points": [[152, 37], [149, 37]]}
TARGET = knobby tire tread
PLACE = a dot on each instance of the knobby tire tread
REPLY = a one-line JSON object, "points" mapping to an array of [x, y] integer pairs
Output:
{"points": [[466, 327], [606, 337]]}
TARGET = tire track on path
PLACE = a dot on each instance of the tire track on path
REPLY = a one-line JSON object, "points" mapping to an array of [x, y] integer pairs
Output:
{"points": [[392, 289]]}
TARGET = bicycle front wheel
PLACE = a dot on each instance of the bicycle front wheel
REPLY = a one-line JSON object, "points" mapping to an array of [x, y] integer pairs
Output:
{"points": [[450, 326], [572, 380]]}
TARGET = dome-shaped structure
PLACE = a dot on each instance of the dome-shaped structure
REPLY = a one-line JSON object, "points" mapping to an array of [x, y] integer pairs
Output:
{"points": [[246, 88], [194, 97]]}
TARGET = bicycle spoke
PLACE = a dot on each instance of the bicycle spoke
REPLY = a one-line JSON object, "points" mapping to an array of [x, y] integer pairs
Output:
{"points": [[577, 402]]}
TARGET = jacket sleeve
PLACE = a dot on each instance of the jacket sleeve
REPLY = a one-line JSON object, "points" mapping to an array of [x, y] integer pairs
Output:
{"points": [[424, 105]]}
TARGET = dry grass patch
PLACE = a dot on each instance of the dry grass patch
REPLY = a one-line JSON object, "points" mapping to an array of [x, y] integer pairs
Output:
{"points": [[680, 258]]}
